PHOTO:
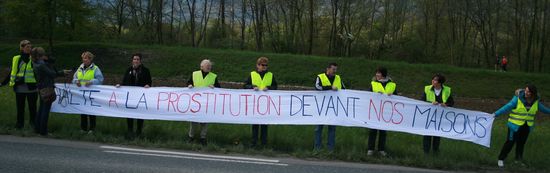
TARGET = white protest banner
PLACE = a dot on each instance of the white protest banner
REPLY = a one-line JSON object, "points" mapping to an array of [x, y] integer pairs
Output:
{"points": [[240, 106]]}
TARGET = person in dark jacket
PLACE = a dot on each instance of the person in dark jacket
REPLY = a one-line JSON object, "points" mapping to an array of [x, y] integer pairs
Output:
{"points": [[260, 80], [437, 94], [383, 84], [24, 84], [522, 108], [136, 75], [327, 81], [45, 75]]}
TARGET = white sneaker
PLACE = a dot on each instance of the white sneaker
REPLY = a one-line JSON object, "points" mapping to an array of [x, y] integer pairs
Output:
{"points": [[383, 153], [501, 163], [370, 153]]}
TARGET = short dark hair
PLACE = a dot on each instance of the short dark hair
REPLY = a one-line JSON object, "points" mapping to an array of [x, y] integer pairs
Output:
{"points": [[440, 78], [533, 89], [332, 64], [138, 55], [382, 70]]}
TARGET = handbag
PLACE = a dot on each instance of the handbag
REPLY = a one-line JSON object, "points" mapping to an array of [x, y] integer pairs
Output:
{"points": [[47, 94]]}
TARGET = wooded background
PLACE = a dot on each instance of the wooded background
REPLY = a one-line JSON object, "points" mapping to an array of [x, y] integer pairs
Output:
{"points": [[466, 33]]}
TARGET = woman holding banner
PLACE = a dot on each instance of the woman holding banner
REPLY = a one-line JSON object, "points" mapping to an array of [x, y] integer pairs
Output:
{"points": [[437, 94], [381, 83], [523, 107], [45, 80], [260, 80], [136, 75], [201, 79], [87, 74]]}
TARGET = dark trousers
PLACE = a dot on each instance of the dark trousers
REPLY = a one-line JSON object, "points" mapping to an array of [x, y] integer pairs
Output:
{"points": [[381, 139], [20, 102], [84, 122], [431, 141], [519, 137], [41, 124], [263, 134], [130, 122]]}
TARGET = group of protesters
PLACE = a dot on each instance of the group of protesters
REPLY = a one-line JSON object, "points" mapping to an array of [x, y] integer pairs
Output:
{"points": [[33, 78]]}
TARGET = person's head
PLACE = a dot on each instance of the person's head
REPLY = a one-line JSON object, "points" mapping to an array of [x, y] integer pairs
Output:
{"points": [[136, 59], [206, 65], [381, 73], [87, 58], [530, 91], [38, 53], [25, 46], [261, 64], [331, 69], [438, 80]]}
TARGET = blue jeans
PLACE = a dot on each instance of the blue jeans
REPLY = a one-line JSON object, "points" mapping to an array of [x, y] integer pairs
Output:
{"points": [[331, 137]]}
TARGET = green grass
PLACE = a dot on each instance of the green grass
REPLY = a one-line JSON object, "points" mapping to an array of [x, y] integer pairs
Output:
{"points": [[295, 141]]}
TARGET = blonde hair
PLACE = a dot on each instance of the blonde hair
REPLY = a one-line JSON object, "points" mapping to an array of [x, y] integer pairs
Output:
{"points": [[37, 52], [262, 60], [89, 55], [23, 43]]}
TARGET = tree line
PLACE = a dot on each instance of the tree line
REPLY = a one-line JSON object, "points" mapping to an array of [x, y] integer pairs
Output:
{"points": [[466, 33]]}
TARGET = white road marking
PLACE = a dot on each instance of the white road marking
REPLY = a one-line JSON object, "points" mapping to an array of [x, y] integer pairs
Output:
{"points": [[190, 154], [196, 158]]}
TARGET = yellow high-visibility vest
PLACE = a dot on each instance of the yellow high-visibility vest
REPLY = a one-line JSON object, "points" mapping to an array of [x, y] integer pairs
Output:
{"points": [[430, 94], [200, 81], [377, 87], [326, 82], [21, 69], [85, 76], [259, 82], [521, 115]]}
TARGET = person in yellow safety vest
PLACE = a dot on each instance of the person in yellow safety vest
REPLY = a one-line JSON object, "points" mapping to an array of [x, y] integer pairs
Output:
{"points": [[136, 75], [201, 79], [383, 84], [327, 81], [260, 80], [24, 84], [523, 107], [87, 74], [437, 94]]}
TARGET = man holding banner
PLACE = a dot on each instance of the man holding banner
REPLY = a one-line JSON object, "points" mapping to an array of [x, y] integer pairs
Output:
{"points": [[327, 81], [437, 94], [87, 74], [201, 79], [381, 83], [260, 80]]}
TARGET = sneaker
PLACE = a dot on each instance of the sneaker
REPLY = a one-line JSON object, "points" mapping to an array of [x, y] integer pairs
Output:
{"points": [[203, 141], [383, 153], [370, 153], [500, 163]]}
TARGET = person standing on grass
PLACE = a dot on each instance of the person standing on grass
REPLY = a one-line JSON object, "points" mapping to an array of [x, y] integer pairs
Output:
{"points": [[260, 80], [504, 63], [200, 79], [383, 84], [437, 94], [136, 75], [522, 108], [24, 84], [327, 81], [87, 74], [45, 77]]}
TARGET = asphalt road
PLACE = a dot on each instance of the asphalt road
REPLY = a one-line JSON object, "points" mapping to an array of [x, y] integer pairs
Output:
{"points": [[34, 154]]}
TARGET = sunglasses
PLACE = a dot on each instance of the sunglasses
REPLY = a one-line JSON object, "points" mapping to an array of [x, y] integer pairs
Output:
{"points": [[265, 65]]}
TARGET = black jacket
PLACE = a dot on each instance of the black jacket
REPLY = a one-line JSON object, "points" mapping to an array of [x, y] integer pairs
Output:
{"points": [[45, 74], [137, 77]]}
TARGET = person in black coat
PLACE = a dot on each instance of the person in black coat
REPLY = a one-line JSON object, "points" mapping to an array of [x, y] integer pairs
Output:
{"points": [[136, 75]]}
